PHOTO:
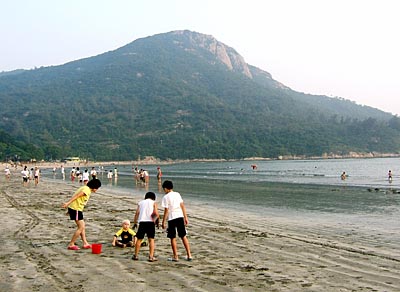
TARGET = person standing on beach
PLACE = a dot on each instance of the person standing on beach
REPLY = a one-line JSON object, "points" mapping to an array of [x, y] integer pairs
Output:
{"points": [[25, 176], [36, 175], [175, 211], [31, 176], [147, 216], [63, 172], [7, 173], [75, 210]]}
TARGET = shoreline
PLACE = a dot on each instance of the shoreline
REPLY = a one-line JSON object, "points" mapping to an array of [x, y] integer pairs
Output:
{"points": [[232, 251], [155, 161]]}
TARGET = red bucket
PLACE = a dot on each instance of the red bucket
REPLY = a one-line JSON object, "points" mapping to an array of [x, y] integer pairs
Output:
{"points": [[96, 248]]}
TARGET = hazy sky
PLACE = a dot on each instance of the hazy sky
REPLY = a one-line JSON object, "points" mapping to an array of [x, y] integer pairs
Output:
{"points": [[345, 48]]}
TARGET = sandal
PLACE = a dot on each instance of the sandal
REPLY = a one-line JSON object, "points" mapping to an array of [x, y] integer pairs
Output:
{"points": [[173, 260], [73, 247], [135, 257], [153, 259]]}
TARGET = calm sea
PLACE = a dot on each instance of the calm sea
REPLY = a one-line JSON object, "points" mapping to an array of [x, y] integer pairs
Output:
{"points": [[287, 184]]}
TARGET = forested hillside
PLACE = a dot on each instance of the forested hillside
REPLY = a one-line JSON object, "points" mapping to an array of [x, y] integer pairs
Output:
{"points": [[180, 95]]}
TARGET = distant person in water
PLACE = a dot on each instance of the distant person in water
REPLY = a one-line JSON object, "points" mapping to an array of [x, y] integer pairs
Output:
{"points": [[159, 174], [93, 173], [146, 176], [85, 177], [390, 177], [343, 176], [110, 175], [73, 173]]}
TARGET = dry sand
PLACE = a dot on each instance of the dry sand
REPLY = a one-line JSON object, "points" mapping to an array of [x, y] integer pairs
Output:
{"points": [[273, 254]]}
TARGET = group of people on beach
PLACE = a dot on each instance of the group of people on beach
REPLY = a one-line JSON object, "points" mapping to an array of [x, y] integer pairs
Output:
{"points": [[28, 175], [84, 176], [77, 174], [146, 218]]}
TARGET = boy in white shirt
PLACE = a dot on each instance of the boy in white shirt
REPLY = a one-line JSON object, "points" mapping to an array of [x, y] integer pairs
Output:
{"points": [[175, 211], [146, 215]]}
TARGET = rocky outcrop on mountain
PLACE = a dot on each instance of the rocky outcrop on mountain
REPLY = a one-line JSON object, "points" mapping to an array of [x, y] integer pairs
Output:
{"points": [[224, 53]]}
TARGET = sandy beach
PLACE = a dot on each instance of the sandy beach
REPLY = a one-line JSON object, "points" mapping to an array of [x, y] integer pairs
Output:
{"points": [[232, 251]]}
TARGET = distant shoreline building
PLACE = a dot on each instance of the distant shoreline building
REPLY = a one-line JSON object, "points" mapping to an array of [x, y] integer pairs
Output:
{"points": [[72, 159]]}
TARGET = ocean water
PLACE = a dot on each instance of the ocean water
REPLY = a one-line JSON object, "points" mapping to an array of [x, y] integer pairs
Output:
{"points": [[297, 185]]}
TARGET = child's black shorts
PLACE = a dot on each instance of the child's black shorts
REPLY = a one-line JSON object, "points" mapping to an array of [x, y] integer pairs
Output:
{"points": [[174, 225], [75, 215], [148, 228]]}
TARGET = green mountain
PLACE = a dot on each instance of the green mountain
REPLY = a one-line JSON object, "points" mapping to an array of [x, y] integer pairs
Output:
{"points": [[14, 150], [181, 95]]}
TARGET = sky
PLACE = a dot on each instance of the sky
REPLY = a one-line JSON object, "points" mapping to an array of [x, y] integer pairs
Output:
{"points": [[339, 48]]}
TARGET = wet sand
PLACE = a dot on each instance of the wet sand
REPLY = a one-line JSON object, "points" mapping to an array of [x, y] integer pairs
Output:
{"points": [[232, 251]]}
